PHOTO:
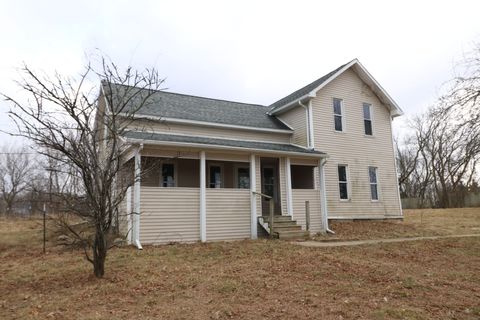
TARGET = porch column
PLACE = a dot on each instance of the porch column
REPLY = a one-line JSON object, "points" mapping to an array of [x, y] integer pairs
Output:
{"points": [[323, 193], [203, 200], [136, 201], [253, 198], [289, 187]]}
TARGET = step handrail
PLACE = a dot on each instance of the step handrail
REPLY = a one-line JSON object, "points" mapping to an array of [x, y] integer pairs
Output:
{"points": [[271, 209]]}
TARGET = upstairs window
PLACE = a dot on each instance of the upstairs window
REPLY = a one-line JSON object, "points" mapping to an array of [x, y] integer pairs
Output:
{"points": [[372, 174], [338, 114], [168, 175], [367, 119], [343, 182]]}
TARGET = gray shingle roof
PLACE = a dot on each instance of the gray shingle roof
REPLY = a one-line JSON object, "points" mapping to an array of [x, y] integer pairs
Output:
{"points": [[147, 136], [187, 107], [303, 91]]}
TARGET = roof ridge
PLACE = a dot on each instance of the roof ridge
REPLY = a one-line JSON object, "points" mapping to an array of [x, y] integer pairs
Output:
{"points": [[194, 96], [321, 80]]}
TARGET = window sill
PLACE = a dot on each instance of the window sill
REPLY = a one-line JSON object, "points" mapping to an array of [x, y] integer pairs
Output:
{"points": [[370, 136], [342, 132], [344, 200]]}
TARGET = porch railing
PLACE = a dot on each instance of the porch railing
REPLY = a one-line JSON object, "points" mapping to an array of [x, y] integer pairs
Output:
{"points": [[271, 210]]}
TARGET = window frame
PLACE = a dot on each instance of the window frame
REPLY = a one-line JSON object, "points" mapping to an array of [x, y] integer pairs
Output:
{"points": [[365, 104], [222, 174], [236, 176], [347, 182], [370, 183], [341, 115], [175, 173]]}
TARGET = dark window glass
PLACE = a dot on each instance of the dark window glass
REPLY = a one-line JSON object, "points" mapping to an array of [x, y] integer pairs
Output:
{"points": [[215, 177], [374, 191], [342, 182], [168, 175], [338, 123], [372, 176], [243, 178], [343, 190], [302, 177], [367, 119], [268, 182], [337, 111], [368, 127]]}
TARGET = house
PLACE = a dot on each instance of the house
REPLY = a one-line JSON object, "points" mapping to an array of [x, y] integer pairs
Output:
{"points": [[219, 166]]}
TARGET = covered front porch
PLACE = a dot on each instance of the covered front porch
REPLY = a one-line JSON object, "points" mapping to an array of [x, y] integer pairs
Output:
{"points": [[188, 194]]}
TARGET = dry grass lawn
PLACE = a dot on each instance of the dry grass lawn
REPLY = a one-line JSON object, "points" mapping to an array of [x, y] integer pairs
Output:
{"points": [[250, 279]]}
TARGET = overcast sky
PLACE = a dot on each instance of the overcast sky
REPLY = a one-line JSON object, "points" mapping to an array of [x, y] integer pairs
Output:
{"points": [[248, 51]]}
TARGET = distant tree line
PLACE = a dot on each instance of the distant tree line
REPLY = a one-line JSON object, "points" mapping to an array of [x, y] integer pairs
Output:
{"points": [[438, 160]]}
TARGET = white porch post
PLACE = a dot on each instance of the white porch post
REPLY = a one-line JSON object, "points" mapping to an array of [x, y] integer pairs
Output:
{"points": [[323, 193], [203, 202], [253, 198], [130, 238], [289, 187], [136, 204]]}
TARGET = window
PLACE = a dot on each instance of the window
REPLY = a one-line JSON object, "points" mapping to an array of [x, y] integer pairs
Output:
{"points": [[372, 174], [215, 176], [302, 177], [343, 182], [337, 114], [367, 119], [168, 175], [243, 178]]}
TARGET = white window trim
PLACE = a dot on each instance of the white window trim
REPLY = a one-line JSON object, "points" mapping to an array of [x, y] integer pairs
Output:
{"points": [[222, 174], [370, 184], [349, 193], [235, 175], [342, 110], [371, 120], [175, 172]]}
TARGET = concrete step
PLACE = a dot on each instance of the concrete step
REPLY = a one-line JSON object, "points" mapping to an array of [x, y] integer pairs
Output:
{"points": [[288, 227], [298, 234]]}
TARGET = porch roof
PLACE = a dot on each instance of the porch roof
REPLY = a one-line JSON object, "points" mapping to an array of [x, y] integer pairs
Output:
{"points": [[215, 143]]}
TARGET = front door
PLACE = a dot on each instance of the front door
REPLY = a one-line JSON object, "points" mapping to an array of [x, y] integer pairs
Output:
{"points": [[269, 168]]}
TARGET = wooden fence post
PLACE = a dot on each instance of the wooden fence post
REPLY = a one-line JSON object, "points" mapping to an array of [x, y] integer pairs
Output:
{"points": [[271, 217], [307, 214]]}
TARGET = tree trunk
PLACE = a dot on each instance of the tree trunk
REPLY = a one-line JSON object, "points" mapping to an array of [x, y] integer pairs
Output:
{"points": [[99, 253]]}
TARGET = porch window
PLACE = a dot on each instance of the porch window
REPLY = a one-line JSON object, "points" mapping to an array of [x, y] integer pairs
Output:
{"points": [[243, 177], [302, 177], [343, 182], [168, 175], [372, 174], [367, 119], [338, 114], [215, 176]]}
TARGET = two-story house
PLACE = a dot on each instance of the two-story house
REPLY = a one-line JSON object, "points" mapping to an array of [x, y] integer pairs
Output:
{"points": [[217, 169]]}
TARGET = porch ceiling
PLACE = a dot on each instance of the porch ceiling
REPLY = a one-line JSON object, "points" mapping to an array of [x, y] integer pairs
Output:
{"points": [[215, 143]]}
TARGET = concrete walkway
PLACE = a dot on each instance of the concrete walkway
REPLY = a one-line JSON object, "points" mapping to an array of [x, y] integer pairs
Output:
{"points": [[320, 244]]}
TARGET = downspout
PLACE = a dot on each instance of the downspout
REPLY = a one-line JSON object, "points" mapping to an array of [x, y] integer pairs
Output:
{"points": [[321, 173], [307, 112], [136, 240]]}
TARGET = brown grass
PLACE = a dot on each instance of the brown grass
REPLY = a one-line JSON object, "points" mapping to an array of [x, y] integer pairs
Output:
{"points": [[416, 223], [242, 280]]}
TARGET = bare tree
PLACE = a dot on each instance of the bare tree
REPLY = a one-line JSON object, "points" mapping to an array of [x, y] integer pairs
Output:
{"points": [[81, 130], [15, 173]]}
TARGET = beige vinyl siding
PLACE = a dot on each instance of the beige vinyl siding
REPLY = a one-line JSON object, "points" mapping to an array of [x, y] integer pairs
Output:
{"points": [[221, 133], [356, 150], [228, 214], [169, 215], [297, 119], [299, 197], [283, 185]]}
